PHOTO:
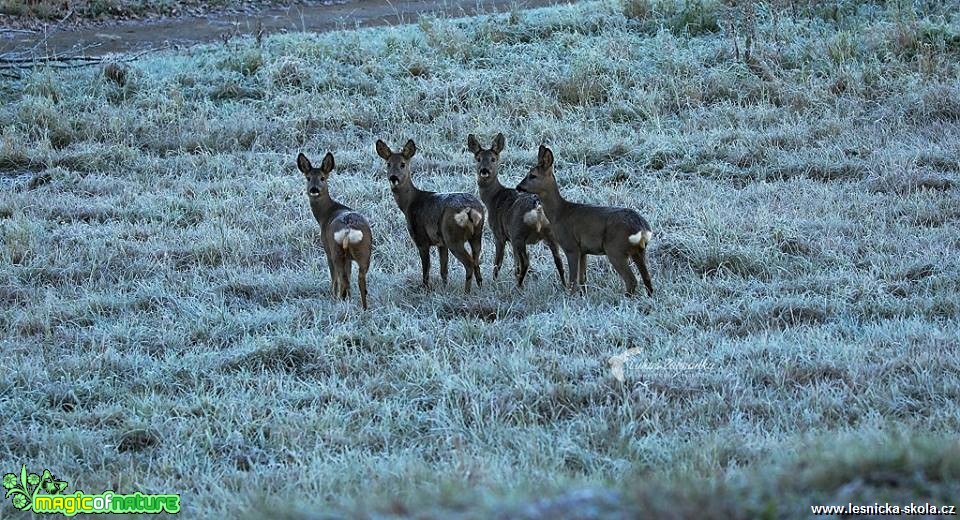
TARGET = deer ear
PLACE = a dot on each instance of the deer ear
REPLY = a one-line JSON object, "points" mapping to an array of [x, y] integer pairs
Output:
{"points": [[498, 143], [546, 157], [383, 150], [473, 145], [303, 163], [327, 165], [409, 149]]}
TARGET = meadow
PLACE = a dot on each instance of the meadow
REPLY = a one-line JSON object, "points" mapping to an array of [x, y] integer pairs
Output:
{"points": [[166, 325]]}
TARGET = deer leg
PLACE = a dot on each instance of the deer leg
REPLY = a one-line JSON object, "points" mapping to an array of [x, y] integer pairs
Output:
{"points": [[582, 275], [461, 254], [520, 260], [443, 263], [573, 262], [344, 269], [476, 244], [334, 278], [622, 267], [640, 258], [554, 250], [362, 267], [498, 255], [425, 263]]}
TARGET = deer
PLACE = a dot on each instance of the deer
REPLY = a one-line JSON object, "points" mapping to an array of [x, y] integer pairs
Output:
{"points": [[513, 216], [344, 234], [584, 229], [446, 220]]}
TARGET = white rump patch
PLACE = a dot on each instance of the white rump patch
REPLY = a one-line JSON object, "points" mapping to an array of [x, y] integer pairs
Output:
{"points": [[641, 237], [468, 218], [476, 217], [345, 237], [535, 218], [462, 217]]}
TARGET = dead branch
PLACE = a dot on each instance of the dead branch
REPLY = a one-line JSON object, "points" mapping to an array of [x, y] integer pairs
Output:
{"points": [[70, 62], [47, 33], [47, 59]]}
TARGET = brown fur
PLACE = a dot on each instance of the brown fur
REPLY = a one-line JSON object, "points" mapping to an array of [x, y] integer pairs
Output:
{"points": [[584, 229], [515, 217], [339, 226], [445, 220]]}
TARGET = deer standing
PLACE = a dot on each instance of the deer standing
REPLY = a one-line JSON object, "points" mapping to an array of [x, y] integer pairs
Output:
{"points": [[583, 229], [445, 220], [344, 233], [515, 217]]}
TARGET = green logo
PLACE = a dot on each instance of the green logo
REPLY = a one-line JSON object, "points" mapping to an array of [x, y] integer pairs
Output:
{"points": [[45, 494], [23, 489]]}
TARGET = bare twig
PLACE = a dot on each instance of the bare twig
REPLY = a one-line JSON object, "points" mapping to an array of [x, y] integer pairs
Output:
{"points": [[77, 53], [732, 33], [136, 56], [47, 33], [70, 62], [52, 65], [59, 58], [8, 57], [259, 33]]}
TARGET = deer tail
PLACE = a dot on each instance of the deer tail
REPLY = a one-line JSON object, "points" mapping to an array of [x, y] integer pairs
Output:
{"points": [[641, 238], [468, 218], [348, 236], [476, 216], [536, 218]]}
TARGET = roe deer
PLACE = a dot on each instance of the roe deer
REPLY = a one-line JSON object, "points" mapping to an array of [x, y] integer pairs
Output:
{"points": [[445, 220], [583, 229], [514, 216], [344, 233]]}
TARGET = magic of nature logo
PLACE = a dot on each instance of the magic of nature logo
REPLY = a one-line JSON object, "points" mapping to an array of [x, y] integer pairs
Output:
{"points": [[44, 493]]}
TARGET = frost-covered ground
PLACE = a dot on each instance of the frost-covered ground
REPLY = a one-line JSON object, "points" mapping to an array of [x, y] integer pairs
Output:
{"points": [[164, 314]]}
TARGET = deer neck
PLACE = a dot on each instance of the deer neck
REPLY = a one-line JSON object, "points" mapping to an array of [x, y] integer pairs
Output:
{"points": [[405, 195], [553, 203], [489, 192], [323, 208]]}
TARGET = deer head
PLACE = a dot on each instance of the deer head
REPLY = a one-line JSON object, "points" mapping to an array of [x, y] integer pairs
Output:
{"points": [[488, 160], [540, 179], [316, 177], [398, 164]]}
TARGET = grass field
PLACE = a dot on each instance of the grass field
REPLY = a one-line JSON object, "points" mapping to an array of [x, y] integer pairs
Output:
{"points": [[164, 315]]}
